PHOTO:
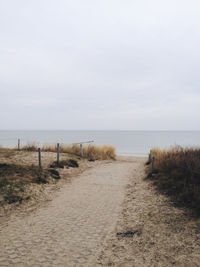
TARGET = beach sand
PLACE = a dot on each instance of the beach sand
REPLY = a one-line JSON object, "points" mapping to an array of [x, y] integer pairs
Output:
{"points": [[105, 215]]}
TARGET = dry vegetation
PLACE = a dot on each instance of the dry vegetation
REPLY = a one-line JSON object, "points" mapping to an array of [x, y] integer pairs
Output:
{"points": [[177, 174], [14, 178], [19, 169], [91, 152]]}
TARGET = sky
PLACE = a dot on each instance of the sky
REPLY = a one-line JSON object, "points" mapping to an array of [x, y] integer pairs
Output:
{"points": [[100, 64]]}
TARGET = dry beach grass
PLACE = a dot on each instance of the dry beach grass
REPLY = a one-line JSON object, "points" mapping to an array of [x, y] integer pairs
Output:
{"points": [[92, 152], [177, 174]]}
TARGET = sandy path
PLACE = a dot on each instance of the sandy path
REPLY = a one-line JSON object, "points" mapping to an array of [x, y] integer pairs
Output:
{"points": [[69, 230]]}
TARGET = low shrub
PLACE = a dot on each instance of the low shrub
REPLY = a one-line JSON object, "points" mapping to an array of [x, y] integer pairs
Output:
{"points": [[68, 163]]}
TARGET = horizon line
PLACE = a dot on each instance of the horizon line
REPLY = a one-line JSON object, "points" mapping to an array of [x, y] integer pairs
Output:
{"points": [[98, 130]]}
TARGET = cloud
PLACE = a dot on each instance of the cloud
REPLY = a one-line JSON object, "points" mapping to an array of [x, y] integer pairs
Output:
{"points": [[99, 64]]}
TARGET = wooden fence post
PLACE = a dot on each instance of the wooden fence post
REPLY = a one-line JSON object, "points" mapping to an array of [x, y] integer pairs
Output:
{"points": [[58, 151], [150, 156], [81, 150], [18, 144], [39, 157], [152, 166]]}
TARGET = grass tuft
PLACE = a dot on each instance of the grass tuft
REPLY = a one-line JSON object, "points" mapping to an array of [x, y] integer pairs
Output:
{"points": [[30, 147]]}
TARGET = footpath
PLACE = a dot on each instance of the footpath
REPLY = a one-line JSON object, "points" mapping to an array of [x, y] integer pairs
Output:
{"points": [[71, 229]]}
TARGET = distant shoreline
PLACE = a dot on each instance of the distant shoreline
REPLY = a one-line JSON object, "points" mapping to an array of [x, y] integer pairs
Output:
{"points": [[136, 143]]}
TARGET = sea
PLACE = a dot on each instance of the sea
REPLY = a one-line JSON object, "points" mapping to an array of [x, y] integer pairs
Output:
{"points": [[132, 143]]}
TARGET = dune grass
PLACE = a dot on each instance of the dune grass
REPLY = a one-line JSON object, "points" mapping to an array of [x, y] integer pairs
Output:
{"points": [[91, 152], [14, 178], [30, 147], [177, 174], [95, 152]]}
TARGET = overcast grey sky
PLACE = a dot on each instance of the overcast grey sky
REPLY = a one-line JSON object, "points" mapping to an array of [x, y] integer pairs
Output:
{"points": [[106, 64]]}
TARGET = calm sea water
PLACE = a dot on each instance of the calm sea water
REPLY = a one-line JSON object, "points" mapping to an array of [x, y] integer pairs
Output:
{"points": [[136, 143]]}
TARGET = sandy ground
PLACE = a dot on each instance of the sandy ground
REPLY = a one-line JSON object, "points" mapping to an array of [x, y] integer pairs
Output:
{"points": [[159, 233], [85, 223]]}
